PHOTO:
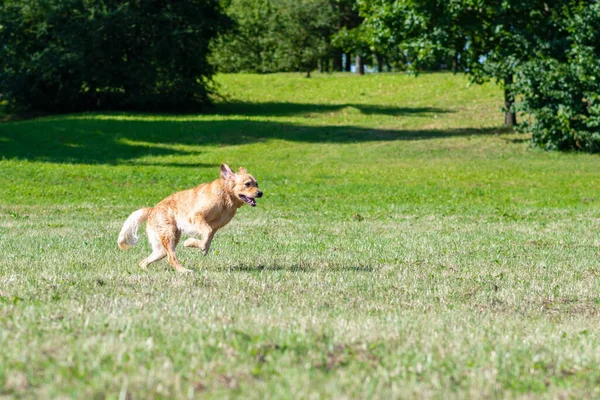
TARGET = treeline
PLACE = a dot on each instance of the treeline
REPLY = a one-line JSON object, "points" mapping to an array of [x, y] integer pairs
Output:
{"points": [[67, 55], [72, 55], [308, 35], [289, 35]]}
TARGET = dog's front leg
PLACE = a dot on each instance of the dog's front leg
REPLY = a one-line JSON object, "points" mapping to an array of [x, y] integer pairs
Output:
{"points": [[207, 235]]}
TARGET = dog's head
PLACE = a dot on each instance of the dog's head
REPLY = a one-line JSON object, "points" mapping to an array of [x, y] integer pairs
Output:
{"points": [[243, 185]]}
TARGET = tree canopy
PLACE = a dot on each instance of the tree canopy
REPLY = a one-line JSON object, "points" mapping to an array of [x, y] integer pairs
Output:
{"points": [[68, 55], [276, 35]]}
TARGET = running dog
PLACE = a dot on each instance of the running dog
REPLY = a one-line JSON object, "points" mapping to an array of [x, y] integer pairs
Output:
{"points": [[202, 211]]}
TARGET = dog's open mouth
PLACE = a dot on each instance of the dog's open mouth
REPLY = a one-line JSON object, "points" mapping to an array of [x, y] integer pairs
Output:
{"points": [[248, 200]]}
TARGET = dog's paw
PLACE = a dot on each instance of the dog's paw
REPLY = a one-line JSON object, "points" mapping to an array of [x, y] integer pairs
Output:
{"points": [[191, 242]]}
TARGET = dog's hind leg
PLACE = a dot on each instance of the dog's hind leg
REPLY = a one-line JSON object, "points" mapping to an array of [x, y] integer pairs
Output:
{"points": [[158, 250], [169, 241]]}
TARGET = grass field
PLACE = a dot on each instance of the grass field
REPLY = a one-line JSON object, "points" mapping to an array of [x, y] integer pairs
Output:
{"points": [[405, 247]]}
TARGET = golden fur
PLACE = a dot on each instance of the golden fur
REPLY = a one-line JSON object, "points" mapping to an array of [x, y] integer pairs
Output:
{"points": [[202, 211]]}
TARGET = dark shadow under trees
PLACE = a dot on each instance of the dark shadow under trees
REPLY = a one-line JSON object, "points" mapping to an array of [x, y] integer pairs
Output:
{"points": [[121, 138], [290, 109]]}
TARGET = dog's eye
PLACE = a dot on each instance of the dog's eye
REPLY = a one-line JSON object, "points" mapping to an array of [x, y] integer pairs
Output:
{"points": [[248, 184]]}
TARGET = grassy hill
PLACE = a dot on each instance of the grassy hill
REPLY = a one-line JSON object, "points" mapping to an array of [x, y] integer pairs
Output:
{"points": [[406, 245]]}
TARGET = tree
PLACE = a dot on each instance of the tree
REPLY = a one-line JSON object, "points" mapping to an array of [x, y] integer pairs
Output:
{"points": [[276, 35], [304, 33], [486, 39], [252, 44], [347, 19], [560, 86], [68, 55], [353, 41]]}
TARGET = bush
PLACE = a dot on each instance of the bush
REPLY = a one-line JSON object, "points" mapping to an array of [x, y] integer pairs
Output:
{"points": [[561, 93], [70, 55]]}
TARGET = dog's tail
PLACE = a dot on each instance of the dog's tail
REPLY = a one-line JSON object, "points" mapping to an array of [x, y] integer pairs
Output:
{"points": [[128, 236]]}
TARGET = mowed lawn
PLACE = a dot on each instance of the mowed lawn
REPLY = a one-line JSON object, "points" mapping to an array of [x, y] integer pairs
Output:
{"points": [[406, 246]]}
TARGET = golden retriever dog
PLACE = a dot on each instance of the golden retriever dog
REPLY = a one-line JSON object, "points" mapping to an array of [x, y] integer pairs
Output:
{"points": [[202, 211]]}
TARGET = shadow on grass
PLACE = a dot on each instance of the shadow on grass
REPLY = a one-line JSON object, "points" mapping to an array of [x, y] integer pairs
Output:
{"points": [[518, 140], [291, 109], [293, 268], [120, 138]]}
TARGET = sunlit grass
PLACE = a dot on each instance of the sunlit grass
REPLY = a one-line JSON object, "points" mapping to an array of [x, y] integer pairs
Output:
{"points": [[406, 246]]}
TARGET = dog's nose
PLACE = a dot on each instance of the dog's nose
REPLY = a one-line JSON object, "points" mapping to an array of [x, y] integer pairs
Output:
{"points": [[259, 194]]}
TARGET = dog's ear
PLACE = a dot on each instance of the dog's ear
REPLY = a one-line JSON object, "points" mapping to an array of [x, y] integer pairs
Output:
{"points": [[243, 170], [226, 172]]}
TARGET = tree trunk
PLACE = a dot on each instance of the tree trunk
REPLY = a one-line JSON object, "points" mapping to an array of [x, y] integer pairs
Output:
{"points": [[510, 118], [308, 73], [379, 63], [360, 66], [455, 62], [347, 63], [320, 66], [337, 61]]}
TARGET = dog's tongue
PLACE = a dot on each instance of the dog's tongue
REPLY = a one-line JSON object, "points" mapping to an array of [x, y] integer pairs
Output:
{"points": [[249, 201]]}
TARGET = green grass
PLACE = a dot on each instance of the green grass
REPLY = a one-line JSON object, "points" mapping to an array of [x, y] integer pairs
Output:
{"points": [[406, 247]]}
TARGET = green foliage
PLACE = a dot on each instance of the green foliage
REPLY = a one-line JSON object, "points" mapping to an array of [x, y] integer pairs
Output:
{"points": [[486, 39], [351, 36], [352, 40], [405, 30], [66, 55], [276, 35], [304, 32], [252, 45], [560, 88]]}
